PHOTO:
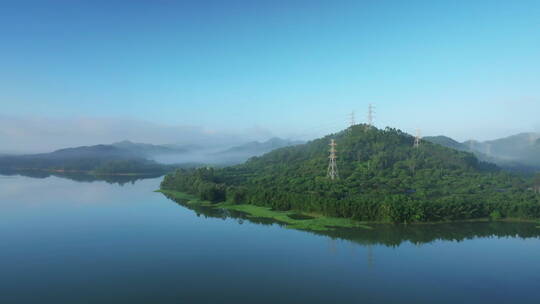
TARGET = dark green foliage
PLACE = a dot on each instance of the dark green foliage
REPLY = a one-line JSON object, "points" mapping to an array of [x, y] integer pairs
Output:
{"points": [[392, 235], [447, 142], [383, 178], [200, 182]]}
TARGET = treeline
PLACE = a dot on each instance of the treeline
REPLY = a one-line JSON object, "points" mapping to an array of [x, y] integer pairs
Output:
{"points": [[394, 235], [383, 178]]}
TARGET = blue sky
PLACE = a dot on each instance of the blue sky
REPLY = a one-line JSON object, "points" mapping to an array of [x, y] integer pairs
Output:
{"points": [[461, 68]]}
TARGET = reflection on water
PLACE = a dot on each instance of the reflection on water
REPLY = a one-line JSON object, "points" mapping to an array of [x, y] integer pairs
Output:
{"points": [[65, 241], [79, 176], [394, 235]]}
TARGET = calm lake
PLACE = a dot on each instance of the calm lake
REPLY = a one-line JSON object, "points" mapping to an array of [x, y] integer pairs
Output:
{"points": [[82, 241]]}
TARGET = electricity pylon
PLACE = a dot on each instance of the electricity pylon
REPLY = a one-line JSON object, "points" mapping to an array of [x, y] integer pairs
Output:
{"points": [[353, 121], [332, 172], [417, 139], [370, 115]]}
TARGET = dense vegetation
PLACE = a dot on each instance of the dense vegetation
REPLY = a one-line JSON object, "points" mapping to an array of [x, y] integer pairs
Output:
{"points": [[388, 235], [383, 178]]}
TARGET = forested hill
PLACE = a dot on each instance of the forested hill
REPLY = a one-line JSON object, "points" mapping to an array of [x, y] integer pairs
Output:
{"points": [[447, 142], [98, 159], [382, 178]]}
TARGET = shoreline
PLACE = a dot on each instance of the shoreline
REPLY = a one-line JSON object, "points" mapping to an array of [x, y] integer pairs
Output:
{"points": [[311, 221], [83, 172]]}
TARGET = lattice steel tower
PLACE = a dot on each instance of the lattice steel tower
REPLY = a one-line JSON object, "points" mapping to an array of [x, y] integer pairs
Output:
{"points": [[332, 172], [353, 121], [370, 115], [417, 138]]}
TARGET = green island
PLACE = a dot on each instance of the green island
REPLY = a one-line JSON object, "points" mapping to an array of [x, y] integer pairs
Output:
{"points": [[383, 178]]}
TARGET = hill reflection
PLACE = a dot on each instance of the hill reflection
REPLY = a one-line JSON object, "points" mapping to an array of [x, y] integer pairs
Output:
{"points": [[80, 177]]}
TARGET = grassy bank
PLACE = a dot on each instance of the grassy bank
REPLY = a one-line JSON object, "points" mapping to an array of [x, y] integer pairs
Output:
{"points": [[303, 220], [292, 219]]}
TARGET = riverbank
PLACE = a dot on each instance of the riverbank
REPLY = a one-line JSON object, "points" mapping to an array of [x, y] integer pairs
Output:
{"points": [[291, 219], [302, 220]]}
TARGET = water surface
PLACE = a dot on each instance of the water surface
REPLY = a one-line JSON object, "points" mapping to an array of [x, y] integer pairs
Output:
{"points": [[67, 241]]}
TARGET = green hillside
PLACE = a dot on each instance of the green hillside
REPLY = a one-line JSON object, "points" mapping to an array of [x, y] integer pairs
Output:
{"points": [[447, 142], [382, 178]]}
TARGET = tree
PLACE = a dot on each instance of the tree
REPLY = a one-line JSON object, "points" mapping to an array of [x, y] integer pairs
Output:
{"points": [[400, 184]]}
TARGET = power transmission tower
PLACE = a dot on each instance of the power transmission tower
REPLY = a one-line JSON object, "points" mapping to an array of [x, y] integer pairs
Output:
{"points": [[417, 139], [332, 172], [353, 121], [370, 115]]}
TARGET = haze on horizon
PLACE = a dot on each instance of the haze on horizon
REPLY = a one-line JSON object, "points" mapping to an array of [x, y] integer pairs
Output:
{"points": [[227, 72]]}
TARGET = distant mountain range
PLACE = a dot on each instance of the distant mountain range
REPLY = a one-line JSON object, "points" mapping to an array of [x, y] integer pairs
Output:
{"points": [[119, 158], [519, 152], [149, 150], [239, 154], [129, 157]]}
